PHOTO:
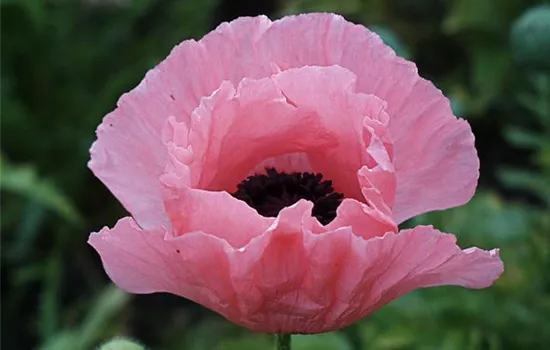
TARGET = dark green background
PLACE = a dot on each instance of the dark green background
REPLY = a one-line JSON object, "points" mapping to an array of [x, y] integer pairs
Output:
{"points": [[64, 65]]}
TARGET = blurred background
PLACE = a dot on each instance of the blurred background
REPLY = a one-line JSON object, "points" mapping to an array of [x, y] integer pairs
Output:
{"points": [[65, 63]]}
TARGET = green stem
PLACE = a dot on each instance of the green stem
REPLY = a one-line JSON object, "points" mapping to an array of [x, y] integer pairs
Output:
{"points": [[283, 341]]}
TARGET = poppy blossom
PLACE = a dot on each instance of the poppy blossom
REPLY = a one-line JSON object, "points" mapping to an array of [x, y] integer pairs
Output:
{"points": [[267, 166]]}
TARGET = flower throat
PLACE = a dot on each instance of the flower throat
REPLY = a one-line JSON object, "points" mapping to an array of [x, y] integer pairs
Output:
{"points": [[270, 193]]}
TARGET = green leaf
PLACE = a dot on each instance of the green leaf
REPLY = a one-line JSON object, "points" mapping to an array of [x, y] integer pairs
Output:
{"points": [[530, 38], [27, 231], [322, 341], [524, 139], [108, 304], [458, 106], [66, 340], [538, 184], [49, 310], [485, 220], [249, 342], [490, 66], [473, 14], [302, 6], [392, 40], [205, 336], [24, 181], [35, 9], [121, 344], [538, 100]]}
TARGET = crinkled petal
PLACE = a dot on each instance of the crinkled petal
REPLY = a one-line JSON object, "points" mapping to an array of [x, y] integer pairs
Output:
{"points": [[217, 213], [366, 221], [194, 265], [269, 272], [329, 92], [296, 281], [310, 111], [129, 156], [425, 257], [290, 278], [434, 155], [377, 178], [435, 159], [289, 163], [252, 93], [235, 129]]}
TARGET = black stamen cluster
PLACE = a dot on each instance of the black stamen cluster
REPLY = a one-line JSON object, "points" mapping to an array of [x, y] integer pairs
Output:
{"points": [[270, 193]]}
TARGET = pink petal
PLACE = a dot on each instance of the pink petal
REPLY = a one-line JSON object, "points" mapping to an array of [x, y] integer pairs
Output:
{"points": [[128, 158], [227, 143], [294, 281], [425, 257], [128, 155], [215, 110], [435, 159], [267, 275], [194, 265], [329, 92], [309, 111], [291, 162], [217, 213], [289, 278], [377, 178], [366, 221]]}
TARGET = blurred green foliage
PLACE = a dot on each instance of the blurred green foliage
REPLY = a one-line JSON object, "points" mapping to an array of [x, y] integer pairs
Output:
{"points": [[65, 63]]}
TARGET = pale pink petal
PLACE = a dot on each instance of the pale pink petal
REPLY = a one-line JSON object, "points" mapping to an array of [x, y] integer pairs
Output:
{"points": [[434, 154], [268, 272], [425, 257], [383, 268], [255, 48], [253, 93], [193, 265], [289, 163], [366, 221], [217, 213], [128, 155], [373, 194], [288, 277], [377, 178], [128, 158], [311, 110], [329, 92], [235, 129], [291, 279]]}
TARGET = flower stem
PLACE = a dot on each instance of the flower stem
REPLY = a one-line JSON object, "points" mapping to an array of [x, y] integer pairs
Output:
{"points": [[283, 341]]}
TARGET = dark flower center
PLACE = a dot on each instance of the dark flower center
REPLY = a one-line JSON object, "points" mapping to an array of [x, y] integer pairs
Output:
{"points": [[270, 193]]}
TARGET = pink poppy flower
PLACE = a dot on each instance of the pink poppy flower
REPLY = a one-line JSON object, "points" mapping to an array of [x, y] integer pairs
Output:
{"points": [[267, 166]]}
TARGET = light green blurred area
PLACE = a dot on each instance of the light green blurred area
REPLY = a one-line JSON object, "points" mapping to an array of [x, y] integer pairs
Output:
{"points": [[65, 63]]}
